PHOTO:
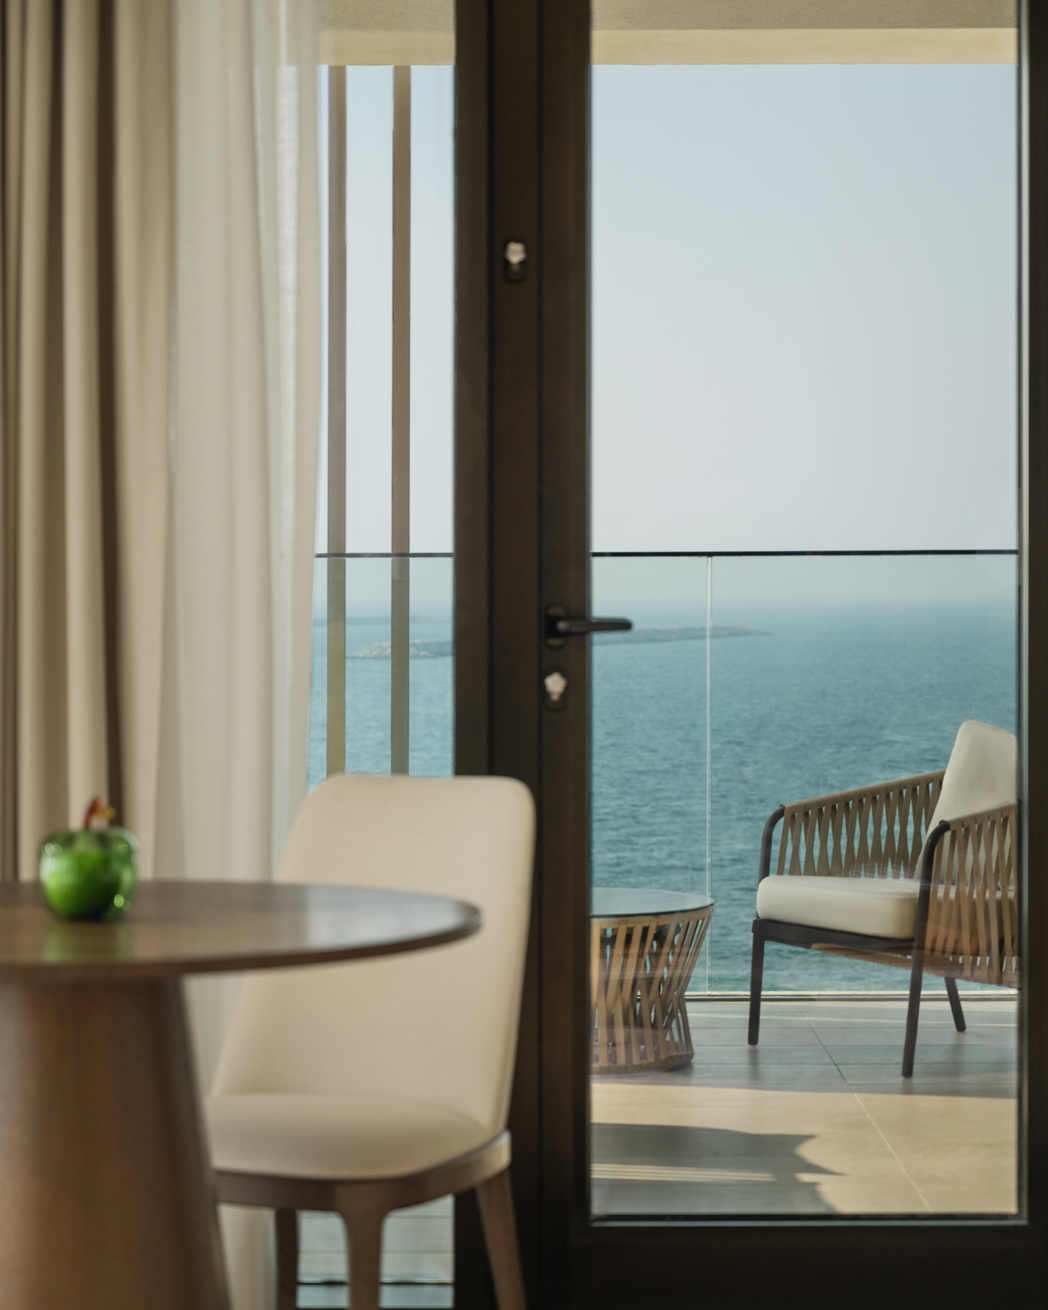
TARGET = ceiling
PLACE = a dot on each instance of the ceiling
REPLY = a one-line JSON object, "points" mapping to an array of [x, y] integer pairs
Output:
{"points": [[703, 31]]}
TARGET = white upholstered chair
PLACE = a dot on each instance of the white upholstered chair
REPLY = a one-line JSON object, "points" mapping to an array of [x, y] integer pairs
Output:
{"points": [[364, 1087], [921, 873]]}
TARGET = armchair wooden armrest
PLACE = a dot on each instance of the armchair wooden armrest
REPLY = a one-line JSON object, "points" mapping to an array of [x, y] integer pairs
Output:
{"points": [[968, 909], [873, 831]]}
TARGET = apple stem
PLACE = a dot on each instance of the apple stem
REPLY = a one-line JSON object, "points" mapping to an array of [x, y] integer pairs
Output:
{"points": [[98, 815]]}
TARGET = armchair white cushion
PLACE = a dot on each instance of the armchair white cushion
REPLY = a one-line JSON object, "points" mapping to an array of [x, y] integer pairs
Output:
{"points": [[879, 907]]}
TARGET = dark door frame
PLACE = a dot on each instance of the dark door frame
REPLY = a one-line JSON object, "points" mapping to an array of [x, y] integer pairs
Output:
{"points": [[521, 543]]}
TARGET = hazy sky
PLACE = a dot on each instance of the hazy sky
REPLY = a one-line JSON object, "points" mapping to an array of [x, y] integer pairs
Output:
{"points": [[803, 307], [369, 231]]}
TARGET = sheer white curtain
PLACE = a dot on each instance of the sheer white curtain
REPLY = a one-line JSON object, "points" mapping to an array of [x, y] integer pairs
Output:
{"points": [[245, 394]]}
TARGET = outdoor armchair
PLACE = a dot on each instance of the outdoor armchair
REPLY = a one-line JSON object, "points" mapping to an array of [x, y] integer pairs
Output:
{"points": [[365, 1087], [919, 873]]}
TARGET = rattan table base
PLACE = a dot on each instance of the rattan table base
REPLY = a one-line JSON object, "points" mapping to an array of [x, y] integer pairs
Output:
{"points": [[640, 966]]}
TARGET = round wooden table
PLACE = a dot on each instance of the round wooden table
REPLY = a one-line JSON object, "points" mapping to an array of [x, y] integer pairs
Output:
{"points": [[106, 1200], [644, 944]]}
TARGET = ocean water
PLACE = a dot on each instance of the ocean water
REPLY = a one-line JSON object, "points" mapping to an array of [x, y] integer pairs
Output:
{"points": [[827, 700], [816, 698]]}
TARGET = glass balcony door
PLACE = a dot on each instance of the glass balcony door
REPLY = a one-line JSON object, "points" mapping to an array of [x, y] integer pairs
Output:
{"points": [[803, 390], [756, 385]]}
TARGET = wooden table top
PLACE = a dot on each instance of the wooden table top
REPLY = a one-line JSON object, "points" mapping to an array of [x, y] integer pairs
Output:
{"points": [[211, 927]]}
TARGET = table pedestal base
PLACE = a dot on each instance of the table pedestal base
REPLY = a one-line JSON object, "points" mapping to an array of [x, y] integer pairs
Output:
{"points": [[106, 1200]]}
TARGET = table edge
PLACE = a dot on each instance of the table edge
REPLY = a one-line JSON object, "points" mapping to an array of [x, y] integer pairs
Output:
{"points": [[132, 970], [631, 916]]}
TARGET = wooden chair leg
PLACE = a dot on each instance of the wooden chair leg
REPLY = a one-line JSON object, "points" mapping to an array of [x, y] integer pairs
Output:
{"points": [[912, 1013], [500, 1235], [364, 1242], [756, 983], [955, 1004], [286, 1225]]}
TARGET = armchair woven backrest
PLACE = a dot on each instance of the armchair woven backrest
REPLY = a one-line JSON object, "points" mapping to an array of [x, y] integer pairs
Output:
{"points": [[439, 1025], [880, 831], [871, 832]]}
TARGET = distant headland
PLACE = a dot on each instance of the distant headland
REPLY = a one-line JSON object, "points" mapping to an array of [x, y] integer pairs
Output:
{"points": [[437, 649]]}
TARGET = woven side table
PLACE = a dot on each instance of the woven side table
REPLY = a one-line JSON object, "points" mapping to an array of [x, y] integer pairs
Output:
{"points": [[644, 945]]}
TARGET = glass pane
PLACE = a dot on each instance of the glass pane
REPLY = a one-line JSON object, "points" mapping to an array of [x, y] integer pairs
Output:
{"points": [[382, 689], [384, 585], [804, 494]]}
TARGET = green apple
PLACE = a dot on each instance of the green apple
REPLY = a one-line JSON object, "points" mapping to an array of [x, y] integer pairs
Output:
{"points": [[88, 874]]}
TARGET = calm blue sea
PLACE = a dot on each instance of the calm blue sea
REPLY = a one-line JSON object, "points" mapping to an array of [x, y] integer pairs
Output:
{"points": [[819, 698]]}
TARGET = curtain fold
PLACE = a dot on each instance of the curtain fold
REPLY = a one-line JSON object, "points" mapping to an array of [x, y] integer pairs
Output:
{"points": [[242, 501], [85, 263], [243, 437]]}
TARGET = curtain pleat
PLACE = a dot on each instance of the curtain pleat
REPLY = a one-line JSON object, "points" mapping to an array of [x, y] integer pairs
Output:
{"points": [[245, 415], [244, 436], [86, 210]]}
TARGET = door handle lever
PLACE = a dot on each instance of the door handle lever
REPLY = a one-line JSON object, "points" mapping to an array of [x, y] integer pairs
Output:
{"points": [[559, 626]]}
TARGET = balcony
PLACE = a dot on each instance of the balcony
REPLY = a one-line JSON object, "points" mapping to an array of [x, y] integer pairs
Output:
{"points": [[764, 373], [746, 681]]}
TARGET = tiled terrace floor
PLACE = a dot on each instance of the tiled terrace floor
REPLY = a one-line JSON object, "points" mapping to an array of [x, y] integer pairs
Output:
{"points": [[817, 1119]]}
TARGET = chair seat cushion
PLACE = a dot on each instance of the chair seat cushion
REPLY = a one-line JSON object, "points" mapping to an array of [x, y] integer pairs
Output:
{"points": [[334, 1137], [876, 907]]}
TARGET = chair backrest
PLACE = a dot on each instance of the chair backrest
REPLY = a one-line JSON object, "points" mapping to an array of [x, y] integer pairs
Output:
{"points": [[983, 772], [437, 1025]]}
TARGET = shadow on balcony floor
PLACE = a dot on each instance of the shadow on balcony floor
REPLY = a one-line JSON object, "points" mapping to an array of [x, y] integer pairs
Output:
{"points": [[817, 1119]]}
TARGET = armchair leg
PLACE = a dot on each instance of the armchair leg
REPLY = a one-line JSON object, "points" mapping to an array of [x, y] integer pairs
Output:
{"points": [[955, 1004], [364, 1241], [756, 983], [912, 1013], [500, 1236], [286, 1224]]}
